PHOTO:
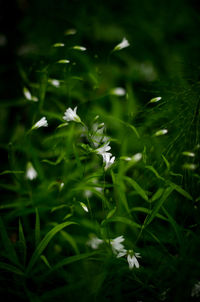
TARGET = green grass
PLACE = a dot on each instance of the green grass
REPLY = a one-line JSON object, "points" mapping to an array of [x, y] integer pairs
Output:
{"points": [[59, 192]]}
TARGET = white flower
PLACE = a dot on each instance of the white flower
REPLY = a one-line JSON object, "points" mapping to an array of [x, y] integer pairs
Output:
{"points": [[41, 123], [119, 91], [117, 245], [58, 45], [135, 158], [108, 160], [196, 290], [94, 242], [154, 100], [161, 132], [132, 259], [81, 48], [70, 115], [28, 95], [54, 82], [84, 206], [122, 45], [30, 171], [187, 153], [189, 166], [63, 61], [102, 150]]}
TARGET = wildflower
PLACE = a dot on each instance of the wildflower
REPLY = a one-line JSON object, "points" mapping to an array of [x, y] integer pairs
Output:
{"points": [[30, 171], [132, 259], [161, 132], [81, 48], [135, 158], [118, 91], [196, 290], [54, 82], [63, 61], [187, 153], [94, 242], [108, 160], [58, 45], [70, 115], [122, 45], [84, 206], [61, 186], [189, 166], [154, 100], [102, 150], [41, 123], [117, 246], [28, 95]]}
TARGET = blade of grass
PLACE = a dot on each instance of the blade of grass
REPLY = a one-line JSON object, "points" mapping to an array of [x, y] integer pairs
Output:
{"points": [[124, 220], [137, 187], [10, 268], [22, 242], [180, 190], [45, 241], [158, 205], [37, 227]]}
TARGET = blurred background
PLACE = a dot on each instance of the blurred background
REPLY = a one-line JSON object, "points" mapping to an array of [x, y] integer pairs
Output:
{"points": [[163, 59]]}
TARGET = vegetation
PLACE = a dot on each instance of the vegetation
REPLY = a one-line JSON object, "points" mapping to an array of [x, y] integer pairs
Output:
{"points": [[100, 152]]}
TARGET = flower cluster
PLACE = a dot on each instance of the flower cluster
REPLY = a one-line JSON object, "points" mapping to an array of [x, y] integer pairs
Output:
{"points": [[196, 290], [118, 250], [97, 137]]}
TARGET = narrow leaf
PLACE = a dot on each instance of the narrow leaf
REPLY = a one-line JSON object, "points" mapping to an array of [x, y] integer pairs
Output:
{"points": [[22, 242], [158, 205], [152, 169], [37, 228], [45, 241], [180, 190], [122, 220], [137, 187], [10, 268]]}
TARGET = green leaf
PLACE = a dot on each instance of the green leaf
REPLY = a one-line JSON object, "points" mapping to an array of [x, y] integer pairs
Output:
{"points": [[147, 211], [44, 259], [45, 241], [22, 242], [152, 169], [166, 162], [137, 187], [8, 246], [10, 268], [37, 227], [158, 194], [180, 190], [122, 220], [111, 213], [62, 125], [11, 172], [119, 188], [158, 205]]}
